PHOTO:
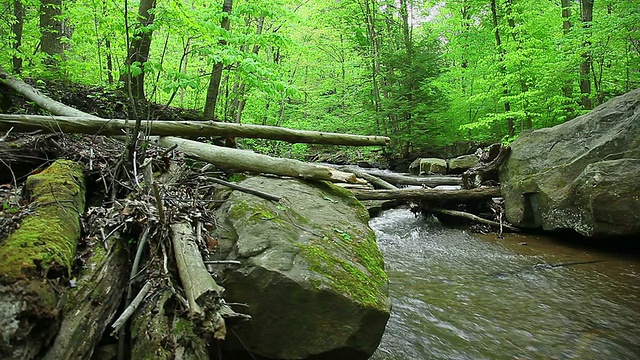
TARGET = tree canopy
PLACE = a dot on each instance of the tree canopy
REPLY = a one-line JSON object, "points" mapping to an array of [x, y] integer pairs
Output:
{"points": [[426, 73]]}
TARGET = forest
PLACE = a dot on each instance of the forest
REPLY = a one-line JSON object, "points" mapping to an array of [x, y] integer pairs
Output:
{"points": [[428, 74]]}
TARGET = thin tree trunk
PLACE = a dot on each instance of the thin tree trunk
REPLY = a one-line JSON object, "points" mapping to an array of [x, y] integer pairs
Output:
{"points": [[567, 89], [107, 45], [138, 53], [586, 15], [216, 73], [17, 27], [240, 100], [505, 92], [368, 10], [524, 88]]}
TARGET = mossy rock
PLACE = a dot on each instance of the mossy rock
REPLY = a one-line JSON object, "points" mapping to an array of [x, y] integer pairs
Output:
{"points": [[312, 273]]}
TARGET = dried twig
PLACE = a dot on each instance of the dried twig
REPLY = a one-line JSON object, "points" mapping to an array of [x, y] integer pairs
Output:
{"points": [[215, 262], [245, 189], [126, 314], [472, 217]]}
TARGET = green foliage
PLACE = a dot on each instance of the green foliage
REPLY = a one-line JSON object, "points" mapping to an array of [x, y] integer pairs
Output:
{"points": [[428, 79]]}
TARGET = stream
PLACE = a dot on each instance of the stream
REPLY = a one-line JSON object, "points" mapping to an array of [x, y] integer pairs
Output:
{"points": [[458, 295]]}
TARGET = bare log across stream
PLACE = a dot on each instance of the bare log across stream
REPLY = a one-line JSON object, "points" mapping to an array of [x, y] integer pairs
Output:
{"points": [[399, 179], [428, 194], [245, 160], [97, 126]]}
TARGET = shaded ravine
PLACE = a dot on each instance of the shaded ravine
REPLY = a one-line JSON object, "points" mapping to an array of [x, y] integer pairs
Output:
{"points": [[458, 296]]}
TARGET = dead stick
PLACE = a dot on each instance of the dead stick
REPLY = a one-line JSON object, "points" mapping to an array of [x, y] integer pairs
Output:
{"points": [[472, 217], [126, 314], [245, 189]]}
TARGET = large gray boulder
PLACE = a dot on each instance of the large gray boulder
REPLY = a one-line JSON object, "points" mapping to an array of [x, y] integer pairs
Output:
{"points": [[462, 163], [580, 175], [311, 271]]}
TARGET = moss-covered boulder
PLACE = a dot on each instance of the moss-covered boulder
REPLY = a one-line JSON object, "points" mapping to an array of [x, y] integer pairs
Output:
{"points": [[311, 272]]}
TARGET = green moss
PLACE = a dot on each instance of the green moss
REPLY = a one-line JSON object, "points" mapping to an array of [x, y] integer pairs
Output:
{"points": [[256, 212], [237, 177], [47, 239], [345, 194], [183, 327], [44, 298], [364, 284]]}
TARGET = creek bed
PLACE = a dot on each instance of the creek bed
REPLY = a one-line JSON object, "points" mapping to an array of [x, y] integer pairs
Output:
{"points": [[457, 295]]}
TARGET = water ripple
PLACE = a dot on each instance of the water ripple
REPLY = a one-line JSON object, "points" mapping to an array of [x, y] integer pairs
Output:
{"points": [[456, 296]]}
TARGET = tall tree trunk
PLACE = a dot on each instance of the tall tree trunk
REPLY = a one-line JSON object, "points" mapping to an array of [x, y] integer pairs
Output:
{"points": [[216, 73], [51, 30], [586, 15], [368, 11], [524, 88], [240, 100], [409, 79], [507, 105], [138, 52], [107, 45], [17, 27], [567, 89]]}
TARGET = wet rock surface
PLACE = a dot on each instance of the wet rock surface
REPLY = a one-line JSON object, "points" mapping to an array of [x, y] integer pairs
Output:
{"points": [[581, 175]]}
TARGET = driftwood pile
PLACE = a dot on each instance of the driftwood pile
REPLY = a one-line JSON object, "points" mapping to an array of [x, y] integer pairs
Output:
{"points": [[126, 273]]}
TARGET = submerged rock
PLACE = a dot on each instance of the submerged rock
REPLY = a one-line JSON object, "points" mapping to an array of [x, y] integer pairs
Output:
{"points": [[311, 271], [580, 175]]}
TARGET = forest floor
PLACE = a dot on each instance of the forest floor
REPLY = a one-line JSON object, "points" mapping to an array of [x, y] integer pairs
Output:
{"points": [[100, 101]]}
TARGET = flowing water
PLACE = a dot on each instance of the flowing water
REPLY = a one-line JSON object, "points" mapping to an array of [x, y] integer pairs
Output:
{"points": [[456, 295]]}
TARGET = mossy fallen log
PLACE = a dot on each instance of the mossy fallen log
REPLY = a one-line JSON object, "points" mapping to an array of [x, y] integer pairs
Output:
{"points": [[158, 331], [94, 301], [35, 261]]}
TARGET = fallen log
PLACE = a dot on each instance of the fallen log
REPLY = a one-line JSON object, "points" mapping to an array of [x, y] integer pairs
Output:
{"points": [[93, 126], [374, 180], [486, 171], [398, 179], [204, 295], [229, 158], [428, 194], [202, 292], [159, 332], [94, 301], [472, 217], [35, 261], [245, 160], [39, 99]]}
